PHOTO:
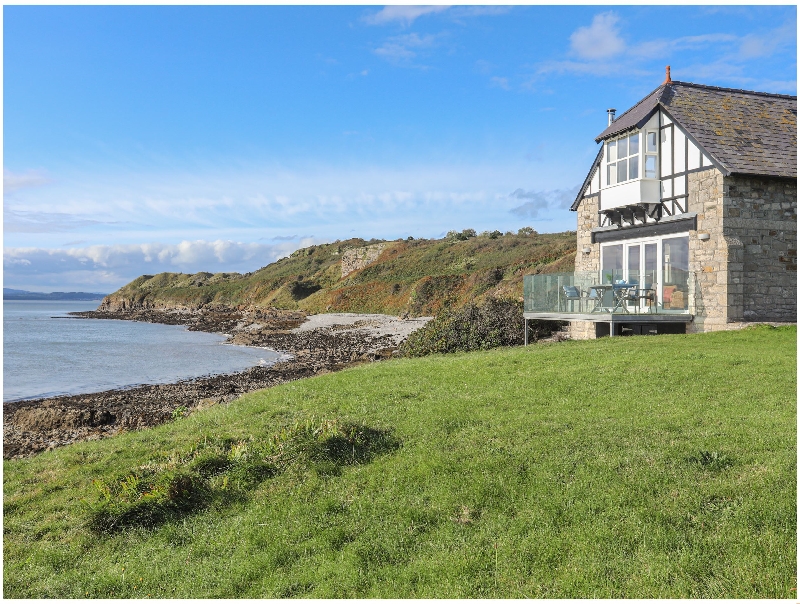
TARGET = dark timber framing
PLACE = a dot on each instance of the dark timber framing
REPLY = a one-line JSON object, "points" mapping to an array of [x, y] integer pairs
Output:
{"points": [[673, 205], [680, 224]]}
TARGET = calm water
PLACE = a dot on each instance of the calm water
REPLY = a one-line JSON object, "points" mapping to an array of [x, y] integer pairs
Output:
{"points": [[45, 353]]}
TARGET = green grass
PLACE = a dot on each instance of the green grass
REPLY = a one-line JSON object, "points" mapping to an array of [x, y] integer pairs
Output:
{"points": [[417, 276], [626, 467]]}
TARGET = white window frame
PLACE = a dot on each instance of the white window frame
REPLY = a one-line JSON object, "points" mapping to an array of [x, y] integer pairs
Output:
{"points": [[613, 165], [654, 154], [626, 243], [642, 155]]}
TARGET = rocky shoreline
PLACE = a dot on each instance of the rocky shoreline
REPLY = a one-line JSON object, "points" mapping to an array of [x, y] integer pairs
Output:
{"points": [[317, 344]]}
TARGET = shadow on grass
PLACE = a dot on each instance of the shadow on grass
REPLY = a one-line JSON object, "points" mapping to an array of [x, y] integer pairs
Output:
{"points": [[224, 470]]}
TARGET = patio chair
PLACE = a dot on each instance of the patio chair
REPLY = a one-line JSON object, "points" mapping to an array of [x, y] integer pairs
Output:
{"points": [[571, 294]]}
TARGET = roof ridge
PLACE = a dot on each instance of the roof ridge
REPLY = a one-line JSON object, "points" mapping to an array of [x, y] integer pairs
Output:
{"points": [[739, 90]]}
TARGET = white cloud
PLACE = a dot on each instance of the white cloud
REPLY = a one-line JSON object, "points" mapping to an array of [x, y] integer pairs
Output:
{"points": [[499, 82], [20, 221], [256, 203], [483, 67], [595, 68], [599, 50], [537, 202], [480, 11], [115, 265], [13, 181], [755, 46], [405, 15], [600, 40], [400, 50], [665, 47]]}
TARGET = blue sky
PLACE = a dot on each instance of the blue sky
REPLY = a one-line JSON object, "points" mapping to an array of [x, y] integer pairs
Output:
{"points": [[145, 139]]}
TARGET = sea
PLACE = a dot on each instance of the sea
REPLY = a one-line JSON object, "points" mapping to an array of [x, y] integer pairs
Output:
{"points": [[48, 353]]}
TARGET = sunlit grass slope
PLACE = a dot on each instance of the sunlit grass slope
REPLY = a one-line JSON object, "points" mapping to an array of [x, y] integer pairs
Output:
{"points": [[416, 276], [639, 467]]}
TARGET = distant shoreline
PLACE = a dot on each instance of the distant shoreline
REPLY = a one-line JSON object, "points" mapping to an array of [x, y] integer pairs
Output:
{"points": [[19, 294]]}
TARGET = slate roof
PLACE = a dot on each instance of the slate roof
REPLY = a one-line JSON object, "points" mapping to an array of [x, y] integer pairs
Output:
{"points": [[635, 117], [743, 132]]}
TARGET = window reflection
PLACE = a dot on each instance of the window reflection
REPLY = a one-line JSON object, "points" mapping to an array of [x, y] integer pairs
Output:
{"points": [[612, 263], [675, 272]]}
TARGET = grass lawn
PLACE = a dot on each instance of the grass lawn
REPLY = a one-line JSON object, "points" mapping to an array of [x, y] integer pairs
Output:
{"points": [[627, 467]]}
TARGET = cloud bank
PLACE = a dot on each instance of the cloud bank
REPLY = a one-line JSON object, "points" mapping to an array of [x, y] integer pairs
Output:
{"points": [[111, 266], [258, 202], [538, 202], [13, 181]]}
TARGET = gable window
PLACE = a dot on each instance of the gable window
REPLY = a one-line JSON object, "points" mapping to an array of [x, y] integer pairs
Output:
{"points": [[623, 159]]}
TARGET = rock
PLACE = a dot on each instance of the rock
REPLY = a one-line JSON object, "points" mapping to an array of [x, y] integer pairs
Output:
{"points": [[33, 426]]}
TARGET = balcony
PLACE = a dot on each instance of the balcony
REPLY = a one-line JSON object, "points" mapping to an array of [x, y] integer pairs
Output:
{"points": [[606, 296]]}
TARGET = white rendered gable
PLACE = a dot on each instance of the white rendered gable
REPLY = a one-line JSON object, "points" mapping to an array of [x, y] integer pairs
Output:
{"points": [[661, 177]]}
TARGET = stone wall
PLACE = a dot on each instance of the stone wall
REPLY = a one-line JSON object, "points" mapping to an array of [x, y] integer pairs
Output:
{"points": [[761, 214], [746, 270], [708, 260], [586, 263], [582, 330], [357, 258], [587, 220]]}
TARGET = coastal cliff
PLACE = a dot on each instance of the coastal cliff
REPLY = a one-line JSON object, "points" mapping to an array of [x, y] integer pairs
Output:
{"points": [[414, 277]]}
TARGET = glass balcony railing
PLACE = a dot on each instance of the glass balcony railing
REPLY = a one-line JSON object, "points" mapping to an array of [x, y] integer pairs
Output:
{"points": [[608, 292]]}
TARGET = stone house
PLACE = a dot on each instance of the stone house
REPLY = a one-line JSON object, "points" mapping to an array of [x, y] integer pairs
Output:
{"points": [[687, 219]]}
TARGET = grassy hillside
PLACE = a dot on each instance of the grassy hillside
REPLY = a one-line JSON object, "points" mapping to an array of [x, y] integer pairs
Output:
{"points": [[417, 276], [668, 470]]}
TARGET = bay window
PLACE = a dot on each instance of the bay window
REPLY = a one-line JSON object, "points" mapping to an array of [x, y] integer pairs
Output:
{"points": [[623, 159]]}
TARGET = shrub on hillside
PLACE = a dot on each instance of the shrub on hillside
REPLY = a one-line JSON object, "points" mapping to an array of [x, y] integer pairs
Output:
{"points": [[496, 322], [462, 236]]}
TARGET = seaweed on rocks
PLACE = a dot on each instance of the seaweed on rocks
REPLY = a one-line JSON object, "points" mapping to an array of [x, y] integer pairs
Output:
{"points": [[32, 426]]}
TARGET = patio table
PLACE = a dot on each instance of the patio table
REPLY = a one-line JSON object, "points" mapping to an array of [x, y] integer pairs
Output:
{"points": [[600, 290]]}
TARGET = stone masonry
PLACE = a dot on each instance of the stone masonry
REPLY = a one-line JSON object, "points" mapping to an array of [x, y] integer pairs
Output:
{"points": [[708, 260], [746, 271], [761, 213], [357, 258], [586, 263]]}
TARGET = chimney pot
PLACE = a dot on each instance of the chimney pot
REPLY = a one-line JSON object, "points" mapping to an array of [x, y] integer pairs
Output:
{"points": [[611, 114], [668, 79]]}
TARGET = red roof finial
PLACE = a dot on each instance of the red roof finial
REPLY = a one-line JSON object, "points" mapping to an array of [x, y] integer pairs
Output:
{"points": [[669, 78]]}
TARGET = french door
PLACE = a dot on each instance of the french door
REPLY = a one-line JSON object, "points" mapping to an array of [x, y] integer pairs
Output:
{"points": [[661, 264], [634, 262]]}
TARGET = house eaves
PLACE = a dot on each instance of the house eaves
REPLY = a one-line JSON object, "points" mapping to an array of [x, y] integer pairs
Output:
{"points": [[633, 118], [588, 179]]}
